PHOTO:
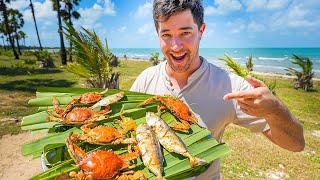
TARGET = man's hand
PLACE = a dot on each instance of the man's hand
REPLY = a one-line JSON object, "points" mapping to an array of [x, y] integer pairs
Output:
{"points": [[285, 130], [258, 102]]}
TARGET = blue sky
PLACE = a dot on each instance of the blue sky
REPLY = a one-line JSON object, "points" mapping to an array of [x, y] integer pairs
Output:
{"points": [[230, 23]]}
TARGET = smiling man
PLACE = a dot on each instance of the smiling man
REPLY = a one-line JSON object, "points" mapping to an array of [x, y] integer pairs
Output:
{"points": [[216, 97]]}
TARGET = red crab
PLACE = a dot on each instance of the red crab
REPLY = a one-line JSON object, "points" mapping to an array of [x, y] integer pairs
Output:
{"points": [[177, 107], [102, 164], [76, 115]]}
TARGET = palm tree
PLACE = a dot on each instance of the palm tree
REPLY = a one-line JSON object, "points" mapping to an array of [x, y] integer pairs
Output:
{"points": [[35, 24], [244, 72], [92, 59], [304, 78], [249, 64], [16, 22], [154, 58], [4, 45], [56, 7], [3, 8], [23, 36], [67, 14]]}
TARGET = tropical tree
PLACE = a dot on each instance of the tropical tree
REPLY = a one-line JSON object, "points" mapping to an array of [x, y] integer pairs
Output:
{"points": [[249, 64], [16, 22], [154, 58], [304, 77], [35, 23], [92, 59], [3, 9], [67, 13], [245, 71], [23, 36], [4, 45], [56, 7]]}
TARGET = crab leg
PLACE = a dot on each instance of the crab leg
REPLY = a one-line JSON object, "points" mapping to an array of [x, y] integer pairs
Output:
{"points": [[183, 125], [76, 153], [150, 100]]}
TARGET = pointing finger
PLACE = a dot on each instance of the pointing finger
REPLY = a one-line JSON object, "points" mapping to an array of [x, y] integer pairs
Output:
{"points": [[241, 94]]}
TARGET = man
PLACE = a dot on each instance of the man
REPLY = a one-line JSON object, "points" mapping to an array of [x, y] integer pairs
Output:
{"points": [[217, 97]]}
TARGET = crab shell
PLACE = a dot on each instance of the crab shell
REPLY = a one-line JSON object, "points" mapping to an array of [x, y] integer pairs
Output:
{"points": [[79, 114], [102, 164], [179, 109], [90, 97]]}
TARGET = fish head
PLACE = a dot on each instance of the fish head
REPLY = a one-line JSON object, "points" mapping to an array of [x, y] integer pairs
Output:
{"points": [[142, 128]]}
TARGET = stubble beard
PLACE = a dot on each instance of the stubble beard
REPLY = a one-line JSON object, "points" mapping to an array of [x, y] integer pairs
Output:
{"points": [[178, 68]]}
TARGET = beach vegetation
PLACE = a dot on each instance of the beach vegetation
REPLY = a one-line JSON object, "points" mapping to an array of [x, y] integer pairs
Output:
{"points": [[154, 58], [249, 64], [6, 29], [45, 59], [304, 77], [92, 59], [245, 71]]}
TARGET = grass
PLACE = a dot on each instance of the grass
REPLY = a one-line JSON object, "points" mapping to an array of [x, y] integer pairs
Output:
{"points": [[253, 157]]}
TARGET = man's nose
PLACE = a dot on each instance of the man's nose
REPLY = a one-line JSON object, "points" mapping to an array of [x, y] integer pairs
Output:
{"points": [[176, 44]]}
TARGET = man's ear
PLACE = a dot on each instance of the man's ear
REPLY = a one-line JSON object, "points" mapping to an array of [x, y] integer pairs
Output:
{"points": [[202, 28]]}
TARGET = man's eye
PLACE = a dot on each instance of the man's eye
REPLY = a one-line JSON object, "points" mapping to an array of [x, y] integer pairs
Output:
{"points": [[166, 35], [186, 33]]}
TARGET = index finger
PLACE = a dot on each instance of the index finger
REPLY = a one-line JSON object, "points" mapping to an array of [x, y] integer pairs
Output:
{"points": [[241, 94]]}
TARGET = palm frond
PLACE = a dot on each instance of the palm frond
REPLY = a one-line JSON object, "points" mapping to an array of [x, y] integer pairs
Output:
{"points": [[235, 66]]}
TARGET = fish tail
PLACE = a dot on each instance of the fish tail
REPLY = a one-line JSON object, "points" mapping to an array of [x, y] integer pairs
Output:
{"points": [[194, 161]]}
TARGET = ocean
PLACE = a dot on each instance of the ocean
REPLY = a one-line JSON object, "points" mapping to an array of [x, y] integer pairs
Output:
{"points": [[271, 60]]}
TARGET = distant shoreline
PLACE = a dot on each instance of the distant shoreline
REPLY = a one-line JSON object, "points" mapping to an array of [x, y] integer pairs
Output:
{"points": [[254, 72]]}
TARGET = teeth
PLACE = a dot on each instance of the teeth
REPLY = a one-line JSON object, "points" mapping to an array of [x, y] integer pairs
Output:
{"points": [[177, 54]]}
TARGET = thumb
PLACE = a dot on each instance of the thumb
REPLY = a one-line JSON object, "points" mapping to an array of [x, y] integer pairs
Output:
{"points": [[255, 82]]}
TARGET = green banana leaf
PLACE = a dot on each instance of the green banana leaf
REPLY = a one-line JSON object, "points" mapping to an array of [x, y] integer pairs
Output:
{"points": [[52, 146]]}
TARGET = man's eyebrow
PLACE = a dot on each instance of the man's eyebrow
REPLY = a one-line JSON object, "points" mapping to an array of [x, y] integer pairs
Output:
{"points": [[183, 28]]}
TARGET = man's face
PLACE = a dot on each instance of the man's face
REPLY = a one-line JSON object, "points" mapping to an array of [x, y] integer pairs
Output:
{"points": [[179, 41]]}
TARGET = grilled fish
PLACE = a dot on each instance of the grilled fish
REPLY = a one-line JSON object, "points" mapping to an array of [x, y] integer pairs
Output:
{"points": [[109, 100], [150, 150], [168, 139]]}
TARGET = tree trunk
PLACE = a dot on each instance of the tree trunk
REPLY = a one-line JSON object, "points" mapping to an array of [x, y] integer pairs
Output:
{"points": [[63, 49], [35, 24], [17, 39], [70, 48], [5, 17]]}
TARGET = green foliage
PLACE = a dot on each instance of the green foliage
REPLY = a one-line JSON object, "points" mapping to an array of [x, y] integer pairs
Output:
{"points": [[45, 58], [245, 71], [249, 64], [154, 58], [29, 61], [92, 59], [304, 77], [240, 71]]}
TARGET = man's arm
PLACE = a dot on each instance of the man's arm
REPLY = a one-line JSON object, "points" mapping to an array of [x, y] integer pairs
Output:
{"points": [[285, 130]]}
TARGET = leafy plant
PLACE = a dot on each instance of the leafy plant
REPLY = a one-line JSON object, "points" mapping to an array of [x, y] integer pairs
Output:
{"points": [[245, 71], [304, 77], [154, 58], [93, 59], [45, 58], [249, 64]]}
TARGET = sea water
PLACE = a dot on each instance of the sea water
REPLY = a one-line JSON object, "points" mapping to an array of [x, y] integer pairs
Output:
{"points": [[271, 60]]}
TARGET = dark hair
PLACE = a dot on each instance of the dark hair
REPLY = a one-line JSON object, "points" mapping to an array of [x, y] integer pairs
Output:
{"points": [[163, 9]]}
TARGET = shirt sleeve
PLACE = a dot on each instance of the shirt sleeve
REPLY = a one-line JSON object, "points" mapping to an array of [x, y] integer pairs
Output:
{"points": [[253, 123]]}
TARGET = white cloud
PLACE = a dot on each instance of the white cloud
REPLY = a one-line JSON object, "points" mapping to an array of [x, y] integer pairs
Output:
{"points": [[147, 29], [223, 7], [89, 16], [296, 16], [255, 27], [122, 29], [144, 11], [43, 12], [19, 4], [109, 8], [254, 5], [236, 26]]}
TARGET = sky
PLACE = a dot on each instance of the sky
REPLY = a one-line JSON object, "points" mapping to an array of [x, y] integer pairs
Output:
{"points": [[229, 23]]}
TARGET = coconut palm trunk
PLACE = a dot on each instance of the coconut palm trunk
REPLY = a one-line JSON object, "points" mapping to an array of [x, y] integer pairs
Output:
{"points": [[18, 45], [35, 24], [70, 48], [62, 48], [5, 17]]}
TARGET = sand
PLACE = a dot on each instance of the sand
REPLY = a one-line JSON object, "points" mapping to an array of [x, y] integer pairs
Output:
{"points": [[13, 165]]}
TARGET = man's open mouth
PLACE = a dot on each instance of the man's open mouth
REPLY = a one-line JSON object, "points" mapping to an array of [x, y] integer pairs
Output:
{"points": [[178, 57]]}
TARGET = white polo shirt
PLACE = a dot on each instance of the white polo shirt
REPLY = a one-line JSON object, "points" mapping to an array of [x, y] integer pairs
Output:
{"points": [[204, 95]]}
